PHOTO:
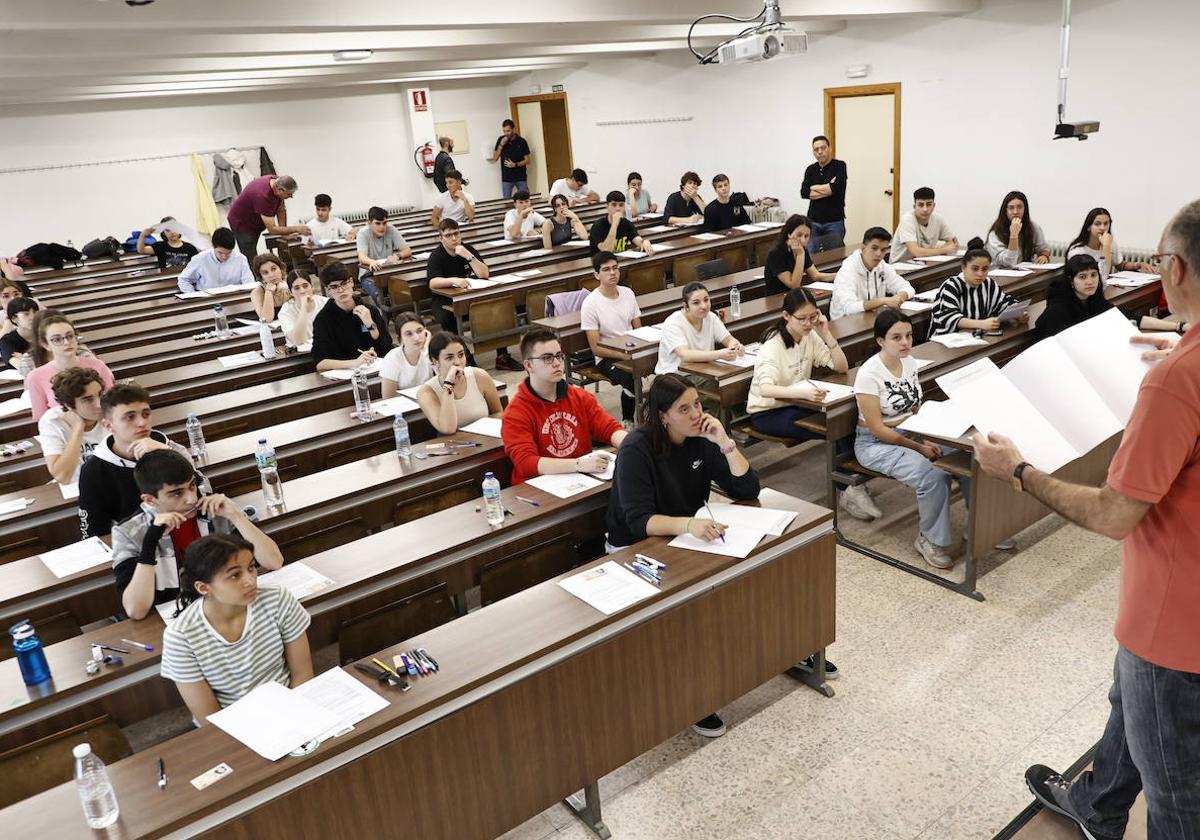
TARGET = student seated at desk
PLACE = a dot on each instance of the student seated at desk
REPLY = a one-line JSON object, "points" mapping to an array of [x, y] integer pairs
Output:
{"points": [[231, 635], [407, 365], [1014, 237], [455, 203], [522, 221], [780, 273], [456, 395], [15, 344], [219, 266], [550, 424], [270, 292], [178, 507], [172, 251], [574, 189], [324, 227], [57, 348], [692, 333], [721, 213], [922, 233], [1073, 297], [298, 312], [108, 491], [70, 432], [865, 282], [637, 198], [615, 233], [379, 245], [971, 300], [10, 290], [685, 206], [346, 332], [610, 310], [563, 225], [1095, 239], [888, 391]]}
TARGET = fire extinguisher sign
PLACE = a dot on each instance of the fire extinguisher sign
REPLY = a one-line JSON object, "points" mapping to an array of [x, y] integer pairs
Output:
{"points": [[420, 100]]}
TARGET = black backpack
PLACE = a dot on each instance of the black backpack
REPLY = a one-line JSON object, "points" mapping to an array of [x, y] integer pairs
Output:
{"points": [[109, 247]]}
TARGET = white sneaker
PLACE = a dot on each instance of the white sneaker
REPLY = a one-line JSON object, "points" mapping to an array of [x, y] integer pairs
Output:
{"points": [[856, 502], [868, 501], [933, 554]]}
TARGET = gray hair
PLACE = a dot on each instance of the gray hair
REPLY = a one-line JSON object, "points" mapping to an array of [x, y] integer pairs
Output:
{"points": [[1183, 236], [286, 182]]}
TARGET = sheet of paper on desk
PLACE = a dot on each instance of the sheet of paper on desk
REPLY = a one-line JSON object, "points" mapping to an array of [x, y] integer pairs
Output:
{"points": [[707, 236], [938, 258], [496, 243], [339, 693], [906, 266], [14, 505], [394, 405], [649, 216], [940, 419], [235, 287], [956, 340], [746, 360], [658, 229], [166, 612], [564, 485], [273, 720], [10, 375], [299, 579], [529, 272], [610, 469], [254, 323], [928, 295], [751, 228], [420, 256], [608, 587], [575, 243], [739, 541], [646, 333], [833, 390], [631, 254], [190, 295], [69, 491], [767, 520], [480, 283], [16, 405], [820, 284], [1131, 279], [250, 357], [537, 252], [77, 557], [501, 278], [662, 246], [411, 393], [1032, 266], [489, 426], [1007, 272], [915, 306], [345, 374]]}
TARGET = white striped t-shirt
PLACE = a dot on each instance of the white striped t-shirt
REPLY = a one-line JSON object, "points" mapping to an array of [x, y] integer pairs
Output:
{"points": [[195, 652]]}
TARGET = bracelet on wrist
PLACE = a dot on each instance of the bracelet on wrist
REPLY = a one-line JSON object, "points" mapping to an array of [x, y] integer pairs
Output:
{"points": [[725, 450], [687, 526]]}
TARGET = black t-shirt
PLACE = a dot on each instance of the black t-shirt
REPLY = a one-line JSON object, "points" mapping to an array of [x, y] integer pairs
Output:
{"points": [[442, 263], [515, 150], [338, 334], [442, 164], [718, 216], [780, 258], [826, 210], [10, 343], [677, 206], [169, 257], [626, 232]]}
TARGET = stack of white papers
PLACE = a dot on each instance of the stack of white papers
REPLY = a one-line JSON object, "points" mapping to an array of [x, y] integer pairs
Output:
{"points": [[1131, 279], [273, 720], [1007, 272], [834, 391], [738, 542], [768, 520], [631, 254], [751, 228], [820, 284], [1032, 266], [958, 339], [646, 333], [564, 485], [915, 306], [906, 266], [77, 557], [608, 587], [708, 236], [394, 405], [297, 578], [489, 426], [342, 695], [940, 419], [345, 374], [250, 357], [938, 258]]}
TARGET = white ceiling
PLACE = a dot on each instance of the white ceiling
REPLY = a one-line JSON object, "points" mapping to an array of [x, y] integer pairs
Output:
{"points": [[75, 50]]}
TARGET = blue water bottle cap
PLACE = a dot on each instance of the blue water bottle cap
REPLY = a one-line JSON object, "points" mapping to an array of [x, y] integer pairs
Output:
{"points": [[21, 630]]}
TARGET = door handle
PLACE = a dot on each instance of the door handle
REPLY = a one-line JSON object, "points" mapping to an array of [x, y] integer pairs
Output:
{"points": [[887, 192]]}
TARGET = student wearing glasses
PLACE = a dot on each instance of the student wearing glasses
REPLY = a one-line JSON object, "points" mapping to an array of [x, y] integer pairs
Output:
{"points": [[346, 332], [457, 394], [56, 349], [550, 424]]}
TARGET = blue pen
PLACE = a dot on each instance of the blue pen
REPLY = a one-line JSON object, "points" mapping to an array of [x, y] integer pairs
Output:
{"points": [[714, 519], [640, 566], [650, 561], [642, 575]]}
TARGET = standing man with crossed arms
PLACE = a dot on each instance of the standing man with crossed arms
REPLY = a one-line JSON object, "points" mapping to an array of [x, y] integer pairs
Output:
{"points": [[1151, 500], [825, 188]]}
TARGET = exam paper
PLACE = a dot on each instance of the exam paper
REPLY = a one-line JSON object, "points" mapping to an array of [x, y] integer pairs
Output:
{"points": [[631, 254], [394, 405], [503, 278], [233, 287], [14, 505], [254, 323], [529, 272], [906, 266], [956, 340], [707, 236], [658, 229], [340, 694], [940, 419], [915, 306], [739, 541], [608, 587], [646, 333], [928, 295], [833, 390], [190, 295], [166, 612], [768, 520], [411, 393], [574, 243], [537, 252], [10, 375], [820, 284], [77, 557], [921, 362], [938, 258], [489, 426], [474, 283], [1100, 348], [273, 720], [607, 474], [297, 578], [1007, 272], [751, 228], [16, 405], [345, 374], [1131, 279], [250, 357], [496, 243], [564, 485], [1029, 265], [69, 491]]}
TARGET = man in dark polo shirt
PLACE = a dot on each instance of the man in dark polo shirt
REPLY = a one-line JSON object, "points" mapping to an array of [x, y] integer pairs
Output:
{"points": [[825, 188], [259, 207], [347, 332], [513, 153]]}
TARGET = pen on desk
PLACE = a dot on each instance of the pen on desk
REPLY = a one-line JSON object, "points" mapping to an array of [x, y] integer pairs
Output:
{"points": [[428, 662], [387, 668], [113, 649], [642, 567], [162, 775], [138, 644], [657, 564], [436, 667], [528, 501], [713, 518], [420, 663], [641, 574]]}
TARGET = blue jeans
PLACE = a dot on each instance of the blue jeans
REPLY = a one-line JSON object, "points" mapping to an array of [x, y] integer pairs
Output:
{"points": [[781, 422], [507, 188], [914, 469], [367, 281], [1151, 743], [822, 228]]}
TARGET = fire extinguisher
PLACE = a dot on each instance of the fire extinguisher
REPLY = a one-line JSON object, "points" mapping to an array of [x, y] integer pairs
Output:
{"points": [[423, 157]]}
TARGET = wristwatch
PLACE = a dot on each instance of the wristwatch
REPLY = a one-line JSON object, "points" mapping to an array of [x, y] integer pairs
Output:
{"points": [[1018, 481]]}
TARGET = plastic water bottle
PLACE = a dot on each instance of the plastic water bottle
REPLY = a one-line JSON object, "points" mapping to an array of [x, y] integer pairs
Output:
{"points": [[100, 807], [195, 433], [735, 302], [403, 441], [362, 394], [71, 245], [30, 656], [268, 470], [26, 364], [266, 339], [221, 323], [492, 506]]}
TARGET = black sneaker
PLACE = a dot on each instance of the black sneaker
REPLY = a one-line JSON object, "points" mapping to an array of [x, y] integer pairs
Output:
{"points": [[711, 727], [1053, 791], [505, 361], [807, 666]]}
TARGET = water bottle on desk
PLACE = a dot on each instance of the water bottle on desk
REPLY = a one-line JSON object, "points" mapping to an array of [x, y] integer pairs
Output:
{"points": [[268, 470], [100, 807], [220, 322], [403, 441], [266, 339], [26, 364], [31, 658], [493, 508], [195, 433], [362, 394], [735, 302]]}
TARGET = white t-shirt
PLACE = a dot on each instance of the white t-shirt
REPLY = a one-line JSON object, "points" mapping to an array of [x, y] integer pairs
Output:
{"points": [[451, 209], [1098, 255], [54, 430], [395, 367], [677, 332], [899, 396], [610, 317], [936, 233], [532, 221], [335, 228], [561, 187], [289, 315]]}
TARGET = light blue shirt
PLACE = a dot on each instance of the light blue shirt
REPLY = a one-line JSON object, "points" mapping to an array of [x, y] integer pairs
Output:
{"points": [[204, 271]]}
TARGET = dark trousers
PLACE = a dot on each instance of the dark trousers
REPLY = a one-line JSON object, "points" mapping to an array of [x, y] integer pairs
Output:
{"points": [[247, 243], [624, 379], [1152, 744], [781, 422]]}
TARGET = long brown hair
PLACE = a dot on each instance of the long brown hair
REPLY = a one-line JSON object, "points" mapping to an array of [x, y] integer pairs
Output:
{"points": [[664, 392], [1002, 224], [44, 319]]}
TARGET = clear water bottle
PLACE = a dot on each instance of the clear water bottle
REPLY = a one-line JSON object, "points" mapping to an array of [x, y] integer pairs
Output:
{"points": [[220, 322], [268, 471], [735, 302], [403, 441], [26, 364], [266, 339], [195, 433], [362, 394], [71, 245], [30, 656], [100, 807], [493, 508]]}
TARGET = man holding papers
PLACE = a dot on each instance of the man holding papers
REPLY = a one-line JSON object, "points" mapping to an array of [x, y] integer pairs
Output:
{"points": [[1151, 501], [865, 282]]}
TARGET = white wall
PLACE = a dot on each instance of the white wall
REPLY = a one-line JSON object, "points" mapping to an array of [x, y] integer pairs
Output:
{"points": [[484, 106], [978, 102]]}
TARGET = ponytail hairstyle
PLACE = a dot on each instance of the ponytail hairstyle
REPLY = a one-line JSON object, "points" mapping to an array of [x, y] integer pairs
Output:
{"points": [[1001, 225], [789, 227], [442, 340], [44, 319], [1085, 233], [975, 250], [691, 289], [664, 392], [795, 300], [202, 560]]}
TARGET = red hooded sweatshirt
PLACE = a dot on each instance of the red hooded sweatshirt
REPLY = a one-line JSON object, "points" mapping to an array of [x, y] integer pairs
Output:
{"points": [[534, 428]]}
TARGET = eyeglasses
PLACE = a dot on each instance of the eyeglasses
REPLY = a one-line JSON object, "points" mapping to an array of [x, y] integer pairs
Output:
{"points": [[808, 319], [65, 338], [337, 287], [1156, 260], [550, 358]]}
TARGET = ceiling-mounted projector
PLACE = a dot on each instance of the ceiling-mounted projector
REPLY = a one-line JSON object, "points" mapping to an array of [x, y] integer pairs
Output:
{"points": [[763, 45]]}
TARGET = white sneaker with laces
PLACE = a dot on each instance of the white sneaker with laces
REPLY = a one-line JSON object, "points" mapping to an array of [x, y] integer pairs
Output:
{"points": [[852, 501], [933, 554]]}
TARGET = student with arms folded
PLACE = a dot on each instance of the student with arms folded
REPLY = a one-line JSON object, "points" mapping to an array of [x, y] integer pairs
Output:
{"points": [[232, 635], [70, 432], [865, 282], [971, 300], [611, 310], [346, 333], [824, 186], [407, 365], [692, 333], [456, 395], [922, 233], [1014, 237], [685, 207], [780, 273], [55, 350]]}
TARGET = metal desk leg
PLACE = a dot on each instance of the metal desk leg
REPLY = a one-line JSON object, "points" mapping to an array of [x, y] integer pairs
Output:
{"points": [[588, 810], [815, 680]]}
